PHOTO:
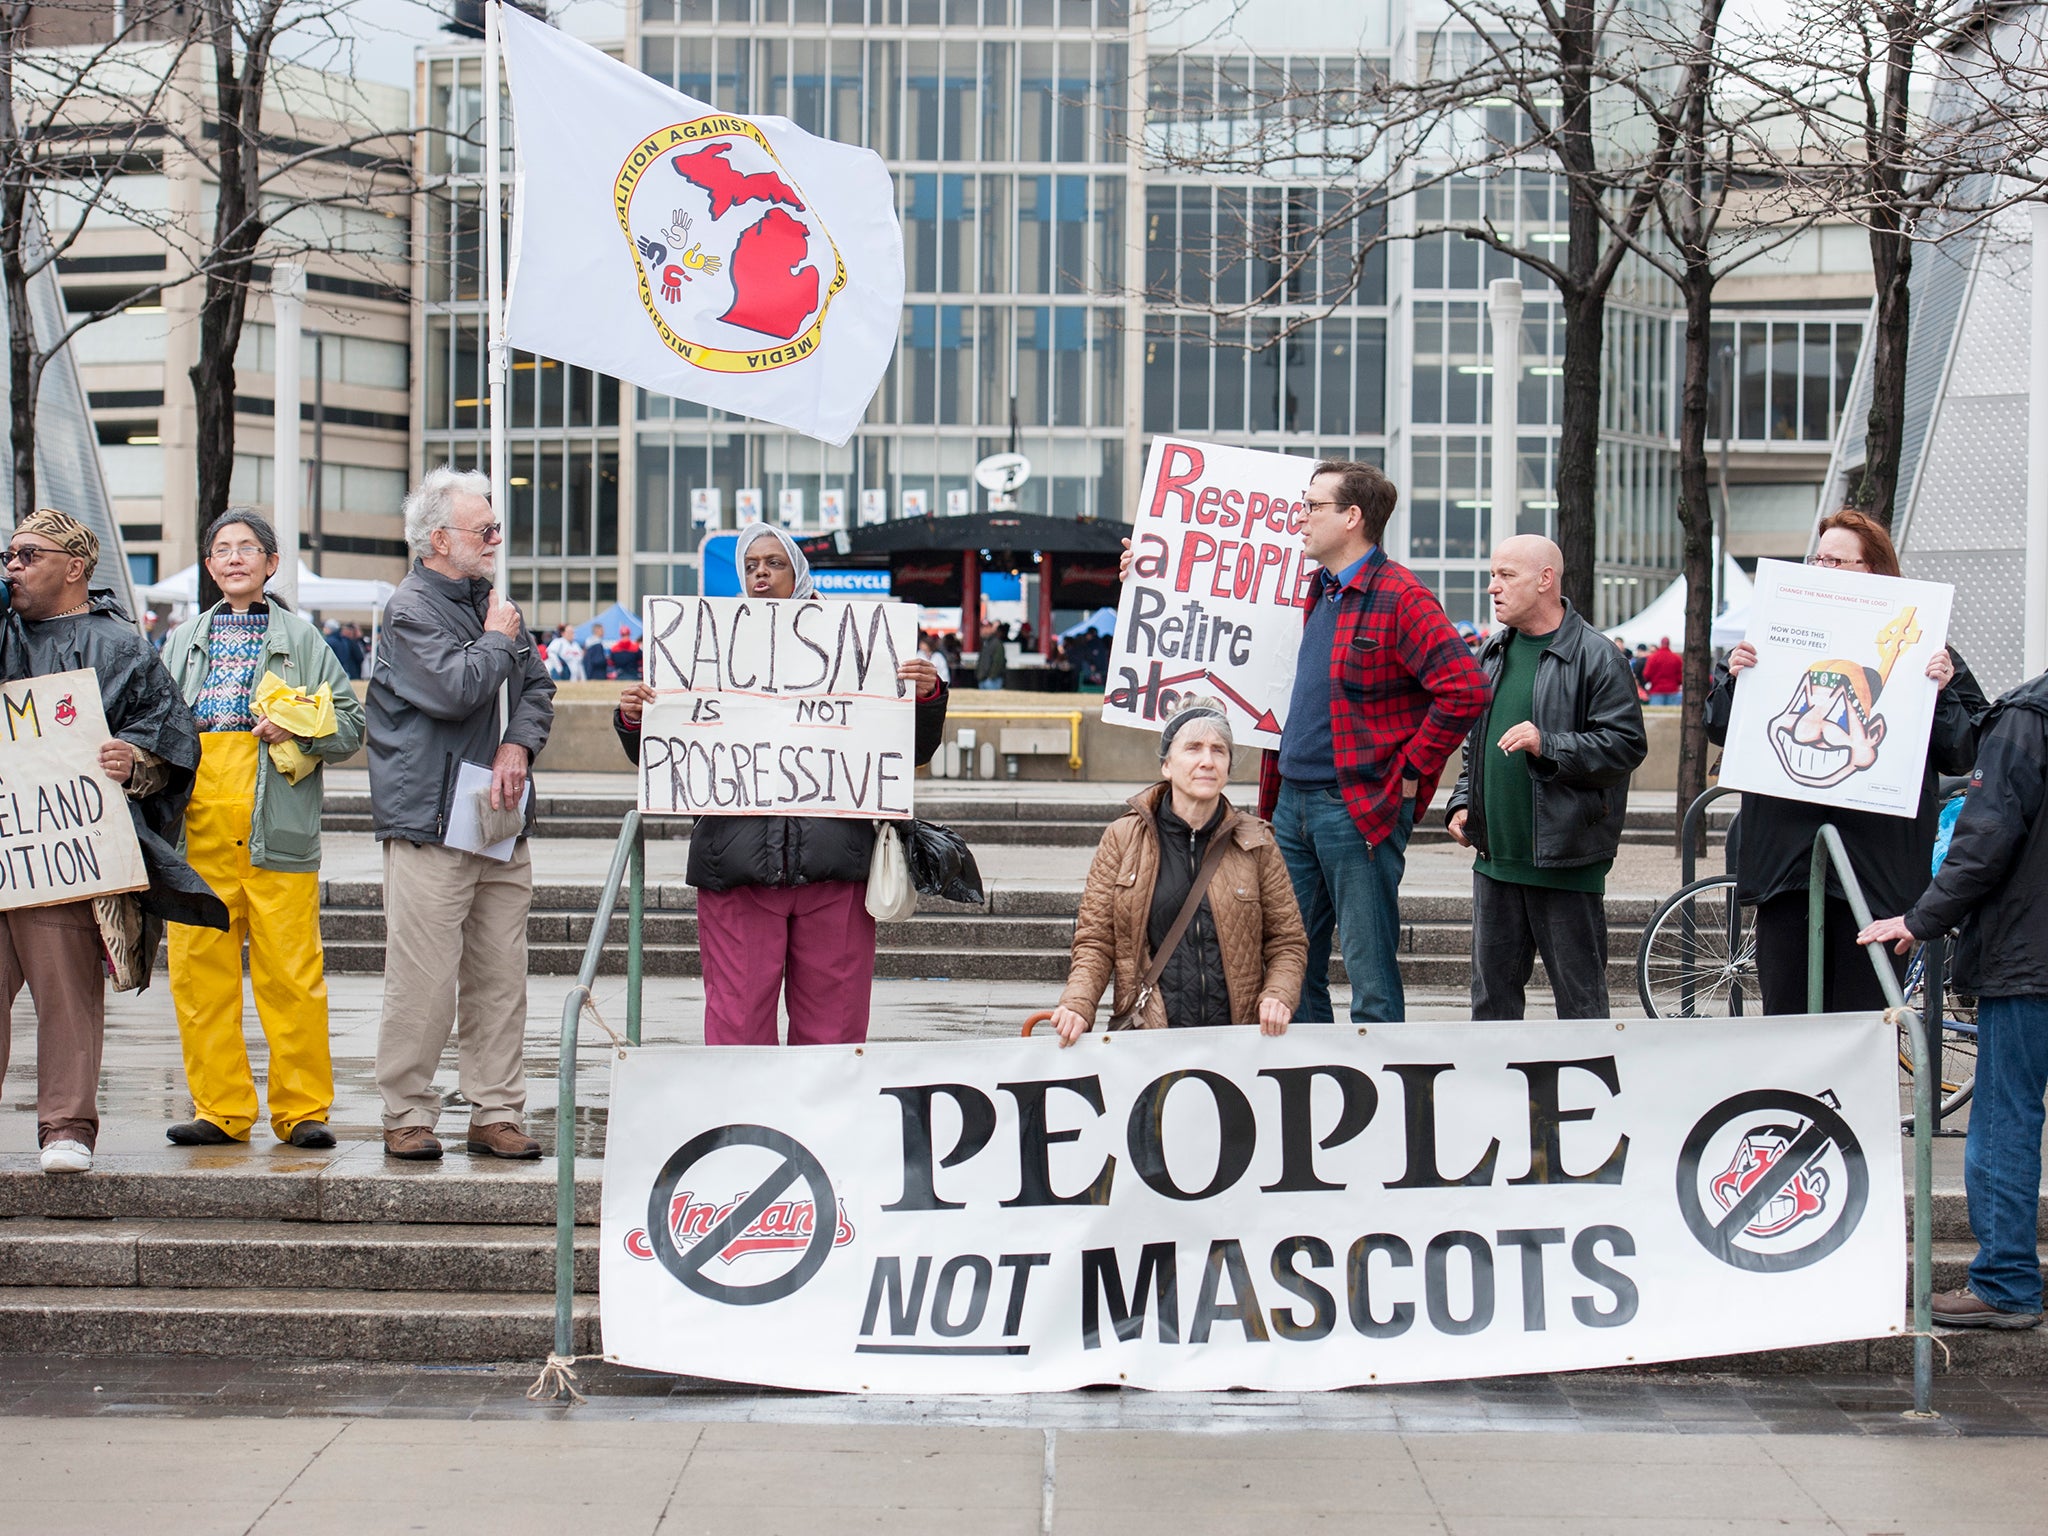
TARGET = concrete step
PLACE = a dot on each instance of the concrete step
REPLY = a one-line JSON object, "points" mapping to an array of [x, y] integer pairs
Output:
{"points": [[356, 1185], [288, 1255], [269, 1322]]}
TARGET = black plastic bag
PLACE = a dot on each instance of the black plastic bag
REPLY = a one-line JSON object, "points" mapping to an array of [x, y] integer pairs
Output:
{"points": [[940, 863]]}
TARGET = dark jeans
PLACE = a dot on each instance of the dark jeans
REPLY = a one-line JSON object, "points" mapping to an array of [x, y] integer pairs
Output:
{"points": [[1513, 924], [2002, 1159], [1341, 883], [1849, 985]]}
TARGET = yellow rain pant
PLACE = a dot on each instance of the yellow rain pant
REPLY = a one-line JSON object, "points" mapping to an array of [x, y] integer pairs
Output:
{"points": [[278, 914]]}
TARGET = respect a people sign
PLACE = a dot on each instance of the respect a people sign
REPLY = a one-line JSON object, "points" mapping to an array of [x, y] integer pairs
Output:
{"points": [[1212, 605], [1205, 1209], [1838, 708], [790, 706], [65, 832]]}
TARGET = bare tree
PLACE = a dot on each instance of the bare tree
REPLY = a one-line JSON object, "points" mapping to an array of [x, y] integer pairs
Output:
{"points": [[73, 119]]}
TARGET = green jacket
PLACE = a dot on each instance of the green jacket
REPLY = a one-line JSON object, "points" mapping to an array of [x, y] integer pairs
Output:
{"points": [[285, 833]]}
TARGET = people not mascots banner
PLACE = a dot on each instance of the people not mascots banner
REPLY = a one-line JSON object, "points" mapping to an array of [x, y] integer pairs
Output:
{"points": [[65, 832], [789, 706], [739, 262], [1217, 580], [1206, 1209]]}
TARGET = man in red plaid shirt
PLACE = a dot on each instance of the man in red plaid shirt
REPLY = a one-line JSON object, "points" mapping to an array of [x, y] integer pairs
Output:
{"points": [[1384, 693]]}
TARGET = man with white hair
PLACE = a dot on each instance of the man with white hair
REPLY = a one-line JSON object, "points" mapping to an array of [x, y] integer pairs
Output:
{"points": [[454, 920], [1544, 790]]}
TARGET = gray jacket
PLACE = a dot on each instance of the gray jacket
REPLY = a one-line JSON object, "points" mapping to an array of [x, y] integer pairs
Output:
{"points": [[1585, 704], [433, 701]]}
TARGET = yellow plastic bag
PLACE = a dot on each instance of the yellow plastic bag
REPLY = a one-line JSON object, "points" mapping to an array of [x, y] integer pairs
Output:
{"points": [[305, 715]]}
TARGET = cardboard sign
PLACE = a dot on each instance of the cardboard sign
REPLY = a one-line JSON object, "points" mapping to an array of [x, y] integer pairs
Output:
{"points": [[65, 832], [781, 706], [1838, 707], [1217, 581]]}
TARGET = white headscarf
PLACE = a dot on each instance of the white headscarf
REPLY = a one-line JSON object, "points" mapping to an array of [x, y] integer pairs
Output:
{"points": [[805, 587]]}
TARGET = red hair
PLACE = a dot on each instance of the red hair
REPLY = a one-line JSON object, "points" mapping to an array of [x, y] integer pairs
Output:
{"points": [[1879, 554]]}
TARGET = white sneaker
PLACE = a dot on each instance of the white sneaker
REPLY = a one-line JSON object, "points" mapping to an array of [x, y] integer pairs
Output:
{"points": [[67, 1157]]}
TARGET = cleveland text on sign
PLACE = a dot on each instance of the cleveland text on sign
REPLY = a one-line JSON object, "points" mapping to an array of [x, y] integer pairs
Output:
{"points": [[785, 705], [65, 832]]}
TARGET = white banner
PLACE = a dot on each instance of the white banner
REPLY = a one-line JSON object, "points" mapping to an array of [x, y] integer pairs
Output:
{"points": [[1205, 1209], [784, 705], [1838, 707], [1213, 603], [735, 261], [65, 832]]}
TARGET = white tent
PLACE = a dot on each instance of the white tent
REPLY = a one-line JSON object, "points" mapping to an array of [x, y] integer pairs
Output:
{"points": [[1666, 614], [315, 592]]}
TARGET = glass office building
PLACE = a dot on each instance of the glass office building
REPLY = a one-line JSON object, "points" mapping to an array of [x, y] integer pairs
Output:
{"points": [[1062, 293]]}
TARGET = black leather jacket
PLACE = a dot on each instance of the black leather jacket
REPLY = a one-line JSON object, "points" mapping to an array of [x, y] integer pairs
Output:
{"points": [[1584, 704], [731, 851]]}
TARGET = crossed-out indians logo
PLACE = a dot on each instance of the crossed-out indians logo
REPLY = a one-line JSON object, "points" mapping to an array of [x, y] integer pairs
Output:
{"points": [[730, 256], [1801, 1197], [1830, 727], [782, 1227]]}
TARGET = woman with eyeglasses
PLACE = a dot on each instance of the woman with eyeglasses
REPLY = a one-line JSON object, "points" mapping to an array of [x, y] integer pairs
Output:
{"points": [[254, 835], [1892, 854]]}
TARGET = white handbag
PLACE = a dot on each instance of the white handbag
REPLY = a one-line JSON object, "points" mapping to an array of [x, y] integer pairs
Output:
{"points": [[891, 894]]}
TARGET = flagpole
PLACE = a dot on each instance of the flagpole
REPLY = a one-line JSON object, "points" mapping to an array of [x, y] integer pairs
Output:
{"points": [[493, 228]]}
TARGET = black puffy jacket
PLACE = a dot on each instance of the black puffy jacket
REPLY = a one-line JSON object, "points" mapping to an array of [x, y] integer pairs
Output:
{"points": [[1995, 879], [730, 851], [1585, 705]]}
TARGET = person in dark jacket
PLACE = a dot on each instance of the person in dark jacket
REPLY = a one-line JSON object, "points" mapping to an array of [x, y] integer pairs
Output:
{"points": [[1892, 854], [68, 952], [1544, 791], [597, 659], [782, 900], [1994, 884], [626, 658], [1241, 958]]}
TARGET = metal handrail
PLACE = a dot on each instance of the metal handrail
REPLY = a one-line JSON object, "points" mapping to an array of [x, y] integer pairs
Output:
{"points": [[629, 861], [1072, 717], [1827, 848]]}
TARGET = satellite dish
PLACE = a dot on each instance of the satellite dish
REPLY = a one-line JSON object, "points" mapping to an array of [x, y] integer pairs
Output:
{"points": [[1002, 472]]}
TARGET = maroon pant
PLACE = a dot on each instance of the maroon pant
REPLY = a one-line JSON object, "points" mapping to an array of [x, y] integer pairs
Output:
{"points": [[820, 937], [56, 950]]}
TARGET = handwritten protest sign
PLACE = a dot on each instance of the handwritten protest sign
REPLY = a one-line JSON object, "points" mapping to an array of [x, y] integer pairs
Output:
{"points": [[1217, 581], [788, 706], [65, 833], [1838, 707]]}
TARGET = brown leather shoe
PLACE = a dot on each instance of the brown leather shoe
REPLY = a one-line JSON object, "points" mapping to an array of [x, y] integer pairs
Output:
{"points": [[414, 1143], [1966, 1309], [501, 1138]]}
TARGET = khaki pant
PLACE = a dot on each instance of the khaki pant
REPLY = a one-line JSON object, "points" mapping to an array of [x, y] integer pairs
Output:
{"points": [[56, 950], [454, 957]]}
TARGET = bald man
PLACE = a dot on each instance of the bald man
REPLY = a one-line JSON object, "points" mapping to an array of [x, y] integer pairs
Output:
{"points": [[1544, 790]]}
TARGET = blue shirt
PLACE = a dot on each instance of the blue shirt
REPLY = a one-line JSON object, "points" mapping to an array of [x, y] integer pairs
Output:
{"points": [[1308, 756]]}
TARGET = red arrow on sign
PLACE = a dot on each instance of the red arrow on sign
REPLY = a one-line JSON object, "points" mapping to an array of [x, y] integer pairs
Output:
{"points": [[1262, 719]]}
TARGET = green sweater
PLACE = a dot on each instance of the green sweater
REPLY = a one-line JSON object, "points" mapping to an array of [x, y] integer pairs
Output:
{"points": [[1510, 796]]}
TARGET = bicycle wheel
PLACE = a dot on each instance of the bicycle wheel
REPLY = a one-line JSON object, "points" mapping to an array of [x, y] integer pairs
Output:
{"points": [[1958, 1064], [1697, 959]]}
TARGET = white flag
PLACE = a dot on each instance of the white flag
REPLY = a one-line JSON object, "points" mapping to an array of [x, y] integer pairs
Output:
{"points": [[735, 261]]}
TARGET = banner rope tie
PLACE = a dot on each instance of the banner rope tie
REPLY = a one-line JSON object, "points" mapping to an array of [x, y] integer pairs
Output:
{"points": [[590, 1007], [1940, 1343], [557, 1377]]}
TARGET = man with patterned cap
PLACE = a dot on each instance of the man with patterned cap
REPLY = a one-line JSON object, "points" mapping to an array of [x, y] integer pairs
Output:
{"points": [[60, 623]]}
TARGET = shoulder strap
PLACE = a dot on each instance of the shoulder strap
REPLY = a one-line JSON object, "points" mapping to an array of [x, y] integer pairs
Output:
{"points": [[1219, 844]]}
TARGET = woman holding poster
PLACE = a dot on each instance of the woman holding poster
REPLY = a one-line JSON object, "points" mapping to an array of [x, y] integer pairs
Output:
{"points": [[1188, 908], [782, 900], [1893, 854], [253, 832]]}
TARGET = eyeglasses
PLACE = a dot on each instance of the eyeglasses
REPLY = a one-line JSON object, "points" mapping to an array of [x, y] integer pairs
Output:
{"points": [[26, 555], [1337, 506], [1835, 562], [485, 532], [229, 551]]}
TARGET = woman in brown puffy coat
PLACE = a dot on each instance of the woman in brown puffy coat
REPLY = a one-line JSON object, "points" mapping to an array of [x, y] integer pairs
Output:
{"points": [[1241, 959]]}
